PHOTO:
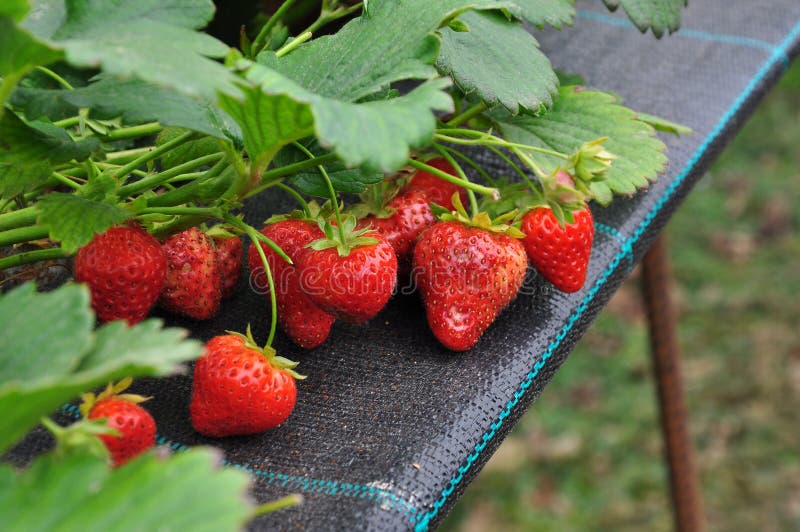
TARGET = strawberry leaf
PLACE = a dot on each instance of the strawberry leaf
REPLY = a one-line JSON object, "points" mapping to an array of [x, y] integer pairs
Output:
{"points": [[582, 116], [658, 15], [113, 352], [556, 13], [29, 150], [14, 9], [375, 135], [74, 219], [153, 40], [19, 50], [80, 492], [479, 62]]}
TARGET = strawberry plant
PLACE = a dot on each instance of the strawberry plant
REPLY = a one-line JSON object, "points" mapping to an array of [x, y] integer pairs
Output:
{"points": [[122, 124]]}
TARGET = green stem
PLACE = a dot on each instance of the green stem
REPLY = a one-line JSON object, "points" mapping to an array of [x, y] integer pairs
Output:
{"points": [[294, 43], [209, 212], [109, 166], [473, 202], [133, 132], [236, 222], [296, 196], [480, 189], [269, 178], [331, 192], [278, 504], [486, 139], [18, 218], [68, 122], [64, 180], [32, 256], [260, 40], [184, 177], [470, 162], [61, 81], [151, 182], [22, 234], [513, 165], [124, 156], [154, 153], [331, 16], [467, 115], [273, 300]]}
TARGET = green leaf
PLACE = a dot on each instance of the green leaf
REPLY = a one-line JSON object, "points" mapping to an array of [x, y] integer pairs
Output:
{"points": [[189, 151], [343, 179], [14, 9], [658, 15], [499, 61], [556, 13], [376, 135], [27, 151], [580, 116], [114, 351], [394, 41], [186, 491], [74, 219], [152, 40], [69, 322], [19, 50]]}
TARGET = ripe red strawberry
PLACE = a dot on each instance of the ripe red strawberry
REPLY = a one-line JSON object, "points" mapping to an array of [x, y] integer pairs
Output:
{"points": [[437, 189], [560, 254], [229, 253], [241, 389], [194, 285], [351, 281], [466, 276], [125, 269], [410, 215], [302, 320], [135, 425]]}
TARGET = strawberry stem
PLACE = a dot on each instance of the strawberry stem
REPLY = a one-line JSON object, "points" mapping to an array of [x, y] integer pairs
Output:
{"points": [[153, 181], [22, 234], [292, 192], [473, 202], [331, 192], [154, 153], [29, 257], [278, 504], [273, 301], [18, 218], [467, 115], [58, 79], [133, 132], [294, 43], [236, 222], [480, 189], [484, 174], [261, 39], [64, 180]]}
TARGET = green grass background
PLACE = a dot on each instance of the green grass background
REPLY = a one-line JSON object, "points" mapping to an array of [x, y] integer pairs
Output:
{"points": [[588, 455]]}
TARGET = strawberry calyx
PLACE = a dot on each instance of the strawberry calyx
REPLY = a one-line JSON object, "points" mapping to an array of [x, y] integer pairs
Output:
{"points": [[588, 164], [506, 223], [314, 213], [345, 238], [269, 353], [89, 400], [375, 198], [80, 437]]}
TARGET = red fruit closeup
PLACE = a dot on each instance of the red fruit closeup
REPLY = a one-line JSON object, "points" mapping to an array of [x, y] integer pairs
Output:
{"points": [[437, 189], [355, 287], [411, 214], [239, 389], [560, 254], [466, 276], [302, 320], [125, 269], [194, 285], [229, 253], [136, 427]]}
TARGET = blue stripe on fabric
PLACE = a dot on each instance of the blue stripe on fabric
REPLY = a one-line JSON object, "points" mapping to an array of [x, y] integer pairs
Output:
{"points": [[700, 35], [616, 235], [777, 56], [306, 484]]}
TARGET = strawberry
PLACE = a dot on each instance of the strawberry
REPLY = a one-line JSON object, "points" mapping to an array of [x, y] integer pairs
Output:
{"points": [[229, 252], [351, 276], [239, 388], [305, 323], [467, 271], [437, 189], [194, 285], [409, 214], [559, 253], [135, 425], [125, 269]]}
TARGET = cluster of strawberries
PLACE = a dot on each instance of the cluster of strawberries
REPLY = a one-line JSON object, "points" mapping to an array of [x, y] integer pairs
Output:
{"points": [[467, 269]]}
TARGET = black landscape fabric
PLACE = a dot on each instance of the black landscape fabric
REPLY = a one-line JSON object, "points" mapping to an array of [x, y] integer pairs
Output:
{"points": [[390, 427]]}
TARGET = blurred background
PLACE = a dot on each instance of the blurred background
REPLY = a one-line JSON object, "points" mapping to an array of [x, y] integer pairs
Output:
{"points": [[588, 455]]}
